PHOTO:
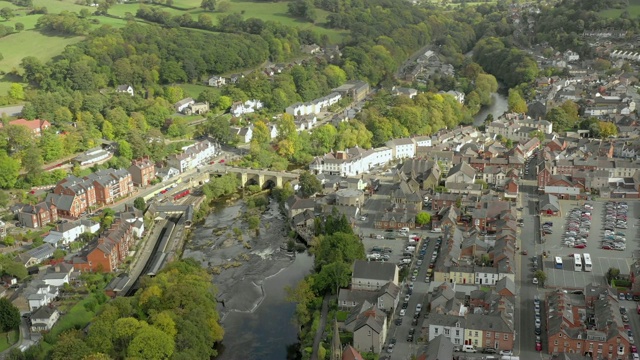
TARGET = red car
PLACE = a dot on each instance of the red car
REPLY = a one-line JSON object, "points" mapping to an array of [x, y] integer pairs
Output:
{"points": [[222, 161], [580, 246], [538, 346], [627, 327], [634, 349], [606, 247]]}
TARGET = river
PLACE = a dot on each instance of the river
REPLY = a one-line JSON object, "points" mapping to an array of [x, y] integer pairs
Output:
{"points": [[256, 317], [499, 105]]}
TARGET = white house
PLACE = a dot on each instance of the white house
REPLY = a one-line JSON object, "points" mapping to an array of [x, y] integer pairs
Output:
{"points": [[125, 89], [44, 318], [373, 275], [248, 107], [351, 162], [181, 105], [39, 294], [423, 141], [70, 231], [244, 134], [402, 148], [217, 81], [459, 96], [273, 131], [570, 56], [193, 156], [167, 173], [56, 278], [451, 326], [314, 106]]}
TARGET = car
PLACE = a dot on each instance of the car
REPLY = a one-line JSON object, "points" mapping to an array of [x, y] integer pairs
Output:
{"points": [[631, 341], [538, 346], [390, 348], [625, 318], [490, 351], [398, 321], [506, 352], [405, 305], [538, 324], [580, 246], [524, 252], [414, 322], [622, 296], [414, 277], [606, 247], [538, 331], [633, 349], [418, 308], [409, 338], [403, 312], [636, 356], [535, 281], [629, 297], [623, 310]]}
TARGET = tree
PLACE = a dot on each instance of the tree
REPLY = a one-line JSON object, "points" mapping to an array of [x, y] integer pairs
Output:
{"points": [[254, 222], [9, 315], [218, 127], [208, 5], [59, 254], [309, 184], [541, 276], [139, 203], [516, 103], [6, 13], [612, 274], [537, 134], [607, 129], [32, 162], [70, 346], [151, 343], [124, 150], [173, 94], [423, 218], [9, 171], [601, 64], [559, 118], [332, 277], [19, 26]]}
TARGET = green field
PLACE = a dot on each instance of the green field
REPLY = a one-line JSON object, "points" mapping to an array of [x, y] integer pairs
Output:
{"points": [[633, 8], [7, 339], [78, 317], [193, 90]]}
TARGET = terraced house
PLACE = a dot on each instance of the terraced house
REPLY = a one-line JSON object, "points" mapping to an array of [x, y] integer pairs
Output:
{"points": [[589, 324]]}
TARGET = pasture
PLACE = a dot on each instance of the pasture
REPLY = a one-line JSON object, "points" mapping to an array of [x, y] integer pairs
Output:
{"points": [[633, 8]]}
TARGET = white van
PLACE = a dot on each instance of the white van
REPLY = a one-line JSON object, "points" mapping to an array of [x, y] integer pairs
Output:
{"points": [[410, 248], [436, 230], [469, 349], [404, 229]]}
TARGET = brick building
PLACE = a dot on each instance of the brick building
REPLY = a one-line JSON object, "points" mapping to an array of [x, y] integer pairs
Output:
{"points": [[142, 171]]}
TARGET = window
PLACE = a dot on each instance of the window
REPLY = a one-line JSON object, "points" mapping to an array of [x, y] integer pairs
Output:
{"points": [[457, 332], [446, 331], [555, 342], [579, 345], [475, 342], [488, 334], [506, 336], [476, 334], [497, 336]]}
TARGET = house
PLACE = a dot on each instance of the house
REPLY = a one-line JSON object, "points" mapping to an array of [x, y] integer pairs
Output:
{"points": [[56, 278], [402, 148], [462, 173], [37, 126], [459, 96], [310, 49], [36, 255], [439, 348], [67, 206], [238, 108], [92, 156], [350, 353], [243, 134], [143, 171], [296, 205], [511, 189], [181, 105], [39, 215], [373, 275], [199, 108], [193, 156], [216, 81], [450, 326], [126, 89], [111, 185], [409, 92], [117, 285], [109, 251], [355, 89], [369, 327], [39, 294], [43, 319], [549, 205], [68, 232], [166, 173]]}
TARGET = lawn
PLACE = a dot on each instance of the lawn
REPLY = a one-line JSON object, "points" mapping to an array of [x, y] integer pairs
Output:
{"points": [[193, 90], [17, 46], [77, 317], [7, 339], [633, 8]]}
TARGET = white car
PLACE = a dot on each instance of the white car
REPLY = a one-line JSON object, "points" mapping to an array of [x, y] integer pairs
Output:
{"points": [[418, 308], [506, 352], [535, 281], [402, 312], [636, 356]]}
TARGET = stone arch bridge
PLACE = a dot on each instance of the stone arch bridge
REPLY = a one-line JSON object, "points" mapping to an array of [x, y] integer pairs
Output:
{"points": [[261, 178]]}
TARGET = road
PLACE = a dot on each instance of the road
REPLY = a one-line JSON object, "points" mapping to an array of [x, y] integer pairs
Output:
{"points": [[529, 241], [11, 110]]}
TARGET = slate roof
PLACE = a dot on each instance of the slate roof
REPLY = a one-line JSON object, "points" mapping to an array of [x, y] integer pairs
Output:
{"points": [[43, 313], [549, 202], [373, 270]]}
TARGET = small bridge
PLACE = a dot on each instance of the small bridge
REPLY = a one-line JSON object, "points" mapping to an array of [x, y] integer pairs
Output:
{"points": [[262, 178]]}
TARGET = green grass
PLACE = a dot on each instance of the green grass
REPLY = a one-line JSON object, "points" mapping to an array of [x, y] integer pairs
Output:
{"points": [[193, 90], [77, 317], [342, 315], [7, 339], [633, 8], [31, 43]]}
